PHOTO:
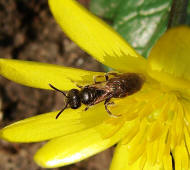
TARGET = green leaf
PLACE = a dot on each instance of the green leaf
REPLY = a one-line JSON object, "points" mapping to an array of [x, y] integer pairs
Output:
{"points": [[105, 8], [140, 22], [188, 14]]}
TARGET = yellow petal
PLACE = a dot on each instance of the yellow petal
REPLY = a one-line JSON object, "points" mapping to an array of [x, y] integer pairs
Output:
{"points": [[121, 161], [39, 75], [181, 157], [167, 161], [187, 139], [122, 154], [155, 131], [169, 60], [75, 147], [96, 37], [137, 145], [46, 126]]}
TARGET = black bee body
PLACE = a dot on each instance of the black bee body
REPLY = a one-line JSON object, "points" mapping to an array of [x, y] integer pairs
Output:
{"points": [[119, 86]]}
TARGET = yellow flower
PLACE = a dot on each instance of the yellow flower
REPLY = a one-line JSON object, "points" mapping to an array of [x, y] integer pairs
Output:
{"points": [[154, 122]]}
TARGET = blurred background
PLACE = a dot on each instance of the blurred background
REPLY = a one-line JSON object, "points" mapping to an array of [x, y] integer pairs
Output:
{"points": [[29, 32]]}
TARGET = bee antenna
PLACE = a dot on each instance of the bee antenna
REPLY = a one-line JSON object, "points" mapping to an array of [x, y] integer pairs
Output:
{"points": [[61, 111], [57, 89]]}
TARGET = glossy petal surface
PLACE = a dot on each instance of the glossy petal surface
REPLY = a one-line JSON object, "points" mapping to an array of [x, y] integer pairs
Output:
{"points": [[96, 37], [169, 60], [45, 126], [39, 75], [76, 147]]}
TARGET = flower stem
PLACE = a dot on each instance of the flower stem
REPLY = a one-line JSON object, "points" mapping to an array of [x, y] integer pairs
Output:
{"points": [[178, 13]]}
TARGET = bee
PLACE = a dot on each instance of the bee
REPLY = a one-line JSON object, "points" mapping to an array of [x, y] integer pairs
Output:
{"points": [[118, 86]]}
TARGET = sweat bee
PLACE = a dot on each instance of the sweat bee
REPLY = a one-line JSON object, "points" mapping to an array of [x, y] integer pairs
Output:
{"points": [[118, 86]]}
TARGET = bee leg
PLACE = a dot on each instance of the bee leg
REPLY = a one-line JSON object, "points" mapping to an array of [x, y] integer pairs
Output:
{"points": [[107, 103], [110, 73], [79, 86], [106, 76], [95, 77], [86, 108]]}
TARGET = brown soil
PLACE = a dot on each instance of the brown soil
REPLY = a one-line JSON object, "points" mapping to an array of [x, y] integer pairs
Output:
{"points": [[29, 32]]}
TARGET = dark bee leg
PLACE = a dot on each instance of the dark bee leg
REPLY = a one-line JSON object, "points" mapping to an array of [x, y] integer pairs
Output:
{"points": [[110, 73], [106, 77], [57, 89], [107, 103], [61, 111], [79, 86], [86, 108]]}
